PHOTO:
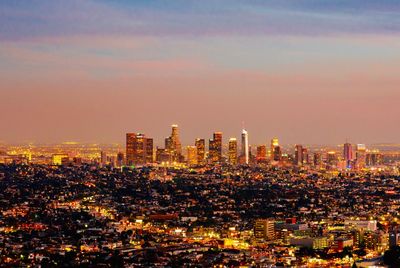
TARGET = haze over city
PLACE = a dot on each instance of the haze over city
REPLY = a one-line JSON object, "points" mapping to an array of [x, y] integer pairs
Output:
{"points": [[313, 72], [200, 133]]}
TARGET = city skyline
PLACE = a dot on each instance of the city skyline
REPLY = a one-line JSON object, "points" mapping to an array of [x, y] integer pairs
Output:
{"points": [[200, 133], [307, 72], [159, 141]]}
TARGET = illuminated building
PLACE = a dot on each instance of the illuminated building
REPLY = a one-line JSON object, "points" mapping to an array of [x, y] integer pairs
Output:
{"points": [[120, 159], [103, 158], [264, 229], [169, 144], [261, 156], [361, 155], [175, 139], [245, 146], [163, 156], [139, 149], [149, 152], [298, 155], [191, 155], [276, 152], [232, 153], [59, 159], [215, 148], [348, 154], [173, 144], [374, 158], [310, 242], [317, 159], [306, 159], [201, 151], [331, 158]]}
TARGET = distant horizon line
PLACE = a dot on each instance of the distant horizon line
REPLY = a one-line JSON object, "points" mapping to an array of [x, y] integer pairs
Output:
{"points": [[72, 142]]}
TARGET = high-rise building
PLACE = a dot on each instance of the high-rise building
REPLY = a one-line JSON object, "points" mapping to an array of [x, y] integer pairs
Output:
{"points": [[261, 156], [276, 152], [131, 148], [298, 155], [232, 151], [306, 159], [169, 144], [139, 149], [317, 159], [348, 154], [361, 156], [149, 150], [374, 158], [201, 151], [103, 158], [173, 144], [191, 155], [120, 159], [175, 140], [264, 229], [331, 158], [245, 146], [215, 148], [163, 156]]}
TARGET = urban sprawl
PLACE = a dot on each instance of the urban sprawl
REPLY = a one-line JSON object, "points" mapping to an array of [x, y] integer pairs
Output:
{"points": [[220, 203]]}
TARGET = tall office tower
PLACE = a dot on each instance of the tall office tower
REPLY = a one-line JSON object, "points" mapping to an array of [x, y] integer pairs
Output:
{"points": [[245, 146], [348, 154], [261, 156], [331, 158], [212, 151], [201, 151], [149, 150], [215, 148], [361, 156], [130, 148], [138, 149], [317, 159], [232, 151], [169, 144], [298, 155], [175, 140], [173, 144], [264, 229], [374, 158], [191, 155], [276, 152], [120, 159], [163, 156], [103, 158]]}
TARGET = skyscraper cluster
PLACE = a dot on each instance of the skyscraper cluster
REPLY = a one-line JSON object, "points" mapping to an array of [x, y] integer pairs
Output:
{"points": [[139, 151]]}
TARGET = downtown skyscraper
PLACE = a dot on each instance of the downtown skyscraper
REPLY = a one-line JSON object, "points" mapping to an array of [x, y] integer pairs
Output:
{"points": [[348, 154], [173, 145], [200, 150], [215, 148], [232, 151], [245, 147], [139, 149], [276, 152]]}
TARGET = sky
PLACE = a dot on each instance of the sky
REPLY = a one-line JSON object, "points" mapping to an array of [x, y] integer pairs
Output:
{"points": [[305, 71]]}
